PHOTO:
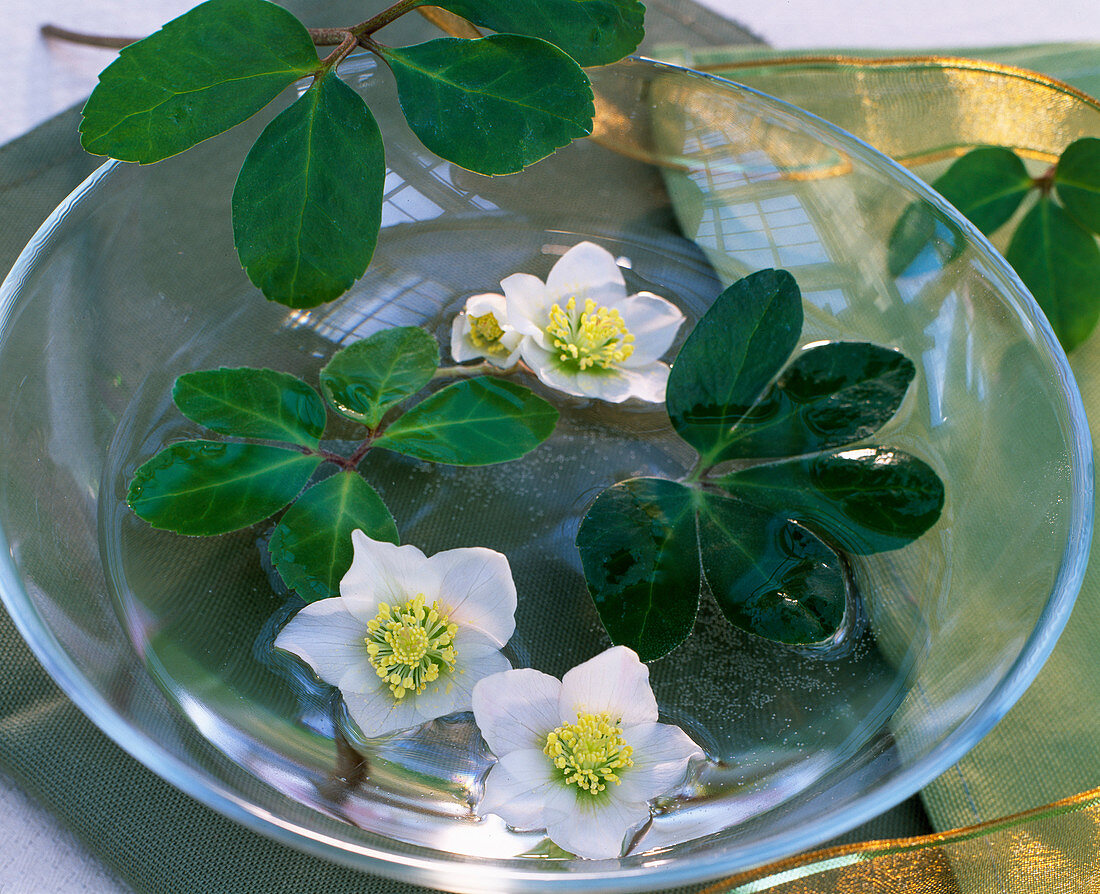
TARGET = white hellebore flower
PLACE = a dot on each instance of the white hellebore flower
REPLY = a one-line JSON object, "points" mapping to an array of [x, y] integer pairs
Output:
{"points": [[408, 636], [482, 331], [585, 336], [581, 757]]}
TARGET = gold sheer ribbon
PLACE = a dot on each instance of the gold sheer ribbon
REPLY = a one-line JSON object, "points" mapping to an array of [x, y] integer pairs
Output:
{"points": [[923, 112], [1052, 849], [923, 109]]}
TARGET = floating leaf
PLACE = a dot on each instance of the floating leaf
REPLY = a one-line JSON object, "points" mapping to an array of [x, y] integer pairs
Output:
{"points": [[867, 499], [475, 422], [770, 576], [252, 403], [832, 394], [987, 185], [308, 201], [1077, 180], [492, 105], [729, 358], [641, 562], [311, 545], [199, 75], [593, 32], [1059, 262], [367, 378], [213, 487]]}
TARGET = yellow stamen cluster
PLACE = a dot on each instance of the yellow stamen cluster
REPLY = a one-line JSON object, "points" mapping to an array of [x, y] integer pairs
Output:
{"points": [[589, 752], [410, 644], [595, 337], [485, 333]]}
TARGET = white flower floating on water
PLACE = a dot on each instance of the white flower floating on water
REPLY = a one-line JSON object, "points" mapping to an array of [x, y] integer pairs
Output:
{"points": [[482, 331], [581, 757], [408, 636], [579, 332]]}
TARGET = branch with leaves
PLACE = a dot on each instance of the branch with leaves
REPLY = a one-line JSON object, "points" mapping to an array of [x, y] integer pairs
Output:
{"points": [[208, 487], [308, 201]]}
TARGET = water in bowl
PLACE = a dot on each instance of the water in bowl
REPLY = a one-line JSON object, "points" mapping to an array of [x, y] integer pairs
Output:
{"points": [[203, 612]]}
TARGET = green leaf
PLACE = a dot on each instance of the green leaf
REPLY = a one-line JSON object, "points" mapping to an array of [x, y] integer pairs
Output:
{"points": [[919, 226], [212, 487], [593, 32], [476, 422], [252, 403], [640, 556], [199, 75], [493, 105], [308, 201], [734, 351], [1077, 180], [913, 231], [367, 378], [830, 395], [867, 500], [770, 576], [1058, 260], [311, 546], [987, 185]]}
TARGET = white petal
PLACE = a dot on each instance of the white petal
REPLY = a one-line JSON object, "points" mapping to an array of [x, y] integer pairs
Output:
{"points": [[382, 572], [378, 713], [646, 383], [528, 309], [462, 348], [516, 710], [660, 753], [586, 270], [653, 322], [328, 638], [615, 682], [611, 385], [524, 789], [476, 657], [476, 590], [512, 342], [597, 828], [488, 303]]}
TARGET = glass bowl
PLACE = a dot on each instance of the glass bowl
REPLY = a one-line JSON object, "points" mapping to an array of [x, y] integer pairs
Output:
{"points": [[692, 182]]}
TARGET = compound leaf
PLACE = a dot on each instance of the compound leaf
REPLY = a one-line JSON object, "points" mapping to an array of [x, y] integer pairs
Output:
{"points": [[593, 32], [311, 546], [308, 201], [866, 500], [252, 403], [213, 487], [830, 395], [476, 422], [770, 576], [199, 75], [1077, 181], [367, 378], [1059, 261], [987, 185], [641, 562], [492, 105], [735, 350]]}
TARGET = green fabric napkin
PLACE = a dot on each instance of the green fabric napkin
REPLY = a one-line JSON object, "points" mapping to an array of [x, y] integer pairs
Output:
{"points": [[1048, 746]]}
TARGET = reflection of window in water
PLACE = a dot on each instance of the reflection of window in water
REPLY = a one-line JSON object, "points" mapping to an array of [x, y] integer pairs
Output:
{"points": [[753, 218], [396, 296]]}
